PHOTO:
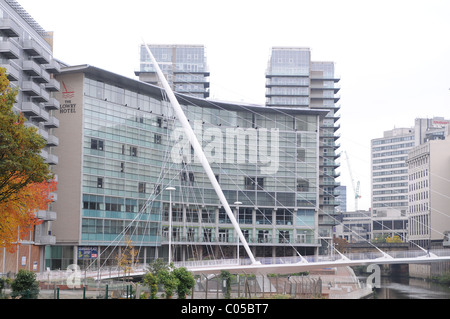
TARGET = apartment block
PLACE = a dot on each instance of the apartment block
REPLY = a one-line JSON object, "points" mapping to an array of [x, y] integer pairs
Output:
{"points": [[294, 80], [184, 66], [26, 54]]}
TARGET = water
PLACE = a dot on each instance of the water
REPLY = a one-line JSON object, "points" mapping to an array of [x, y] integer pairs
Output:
{"points": [[411, 288]]}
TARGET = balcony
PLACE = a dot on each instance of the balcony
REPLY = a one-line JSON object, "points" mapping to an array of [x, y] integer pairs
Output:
{"points": [[52, 159], [12, 71], [52, 122], [30, 109], [46, 215], [43, 58], [53, 85], [43, 96], [9, 28], [9, 50], [30, 88], [45, 240], [52, 140], [52, 104], [43, 77], [31, 68], [53, 67], [31, 47]]}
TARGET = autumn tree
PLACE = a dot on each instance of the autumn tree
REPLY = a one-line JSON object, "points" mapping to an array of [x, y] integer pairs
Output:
{"points": [[26, 181], [127, 256], [21, 162]]}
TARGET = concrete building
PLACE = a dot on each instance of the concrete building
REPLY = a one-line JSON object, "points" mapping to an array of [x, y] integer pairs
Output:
{"points": [[26, 54], [389, 172], [429, 193], [293, 80], [355, 226], [184, 66], [121, 147]]}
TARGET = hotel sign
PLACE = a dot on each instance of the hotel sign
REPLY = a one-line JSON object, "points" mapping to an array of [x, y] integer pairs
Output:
{"points": [[68, 106]]}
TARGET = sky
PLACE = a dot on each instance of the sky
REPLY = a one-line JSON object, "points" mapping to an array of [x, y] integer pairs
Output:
{"points": [[393, 57]]}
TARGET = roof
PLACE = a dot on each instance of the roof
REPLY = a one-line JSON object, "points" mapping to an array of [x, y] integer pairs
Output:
{"points": [[147, 88]]}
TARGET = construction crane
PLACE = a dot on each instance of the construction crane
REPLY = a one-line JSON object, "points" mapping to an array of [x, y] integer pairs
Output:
{"points": [[355, 188]]}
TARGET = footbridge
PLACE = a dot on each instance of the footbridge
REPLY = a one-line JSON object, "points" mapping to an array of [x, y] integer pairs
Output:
{"points": [[286, 265], [274, 265]]}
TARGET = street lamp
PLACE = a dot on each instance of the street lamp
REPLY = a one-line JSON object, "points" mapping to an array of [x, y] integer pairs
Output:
{"points": [[170, 189], [237, 237]]}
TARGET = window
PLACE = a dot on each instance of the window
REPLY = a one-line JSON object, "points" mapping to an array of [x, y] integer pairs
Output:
{"points": [[157, 139], [142, 187], [263, 236], [284, 236], [133, 151], [264, 216], [301, 154], [302, 185], [99, 182], [97, 144], [245, 216], [284, 217], [207, 234], [254, 182]]}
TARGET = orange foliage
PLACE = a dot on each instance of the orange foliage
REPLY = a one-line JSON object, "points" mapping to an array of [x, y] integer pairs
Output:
{"points": [[18, 214]]}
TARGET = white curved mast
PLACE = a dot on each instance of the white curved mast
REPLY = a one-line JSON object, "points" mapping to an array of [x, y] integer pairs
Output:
{"points": [[200, 154]]}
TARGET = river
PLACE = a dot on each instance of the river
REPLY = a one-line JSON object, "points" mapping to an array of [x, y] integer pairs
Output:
{"points": [[410, 288]]}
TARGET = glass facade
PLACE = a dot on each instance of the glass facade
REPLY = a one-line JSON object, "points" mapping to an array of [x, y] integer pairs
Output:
{"points": [[134, 148]]}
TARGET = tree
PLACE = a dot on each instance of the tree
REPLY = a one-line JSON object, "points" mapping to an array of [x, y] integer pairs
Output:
{"points": [[25, 285], [18, 214], [226, 276], [26, 181], [127, 256], [152, 281], [169, 281], [172, 279], [21, 162], [185, 282]]}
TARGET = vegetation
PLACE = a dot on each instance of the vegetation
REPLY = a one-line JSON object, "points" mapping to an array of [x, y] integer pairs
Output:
{"points": [[26, 181], [226, 276], [171, 279], [25, 285]]}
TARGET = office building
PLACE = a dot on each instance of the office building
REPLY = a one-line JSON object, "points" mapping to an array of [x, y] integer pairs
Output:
{"points": [[184, 66], [26, 54], [389, 172], [293, 80], [429, 193], [121, 134], [355, 226]]}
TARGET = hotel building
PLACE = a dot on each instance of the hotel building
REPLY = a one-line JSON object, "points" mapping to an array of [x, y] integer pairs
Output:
{"points": [[26, 54], [121, 147]]}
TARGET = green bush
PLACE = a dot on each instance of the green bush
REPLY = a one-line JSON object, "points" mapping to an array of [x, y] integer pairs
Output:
{"points": [[25, 285]]}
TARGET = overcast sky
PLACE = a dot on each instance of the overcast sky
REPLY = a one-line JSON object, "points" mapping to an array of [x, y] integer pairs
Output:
{"points": [[393, 57]]}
